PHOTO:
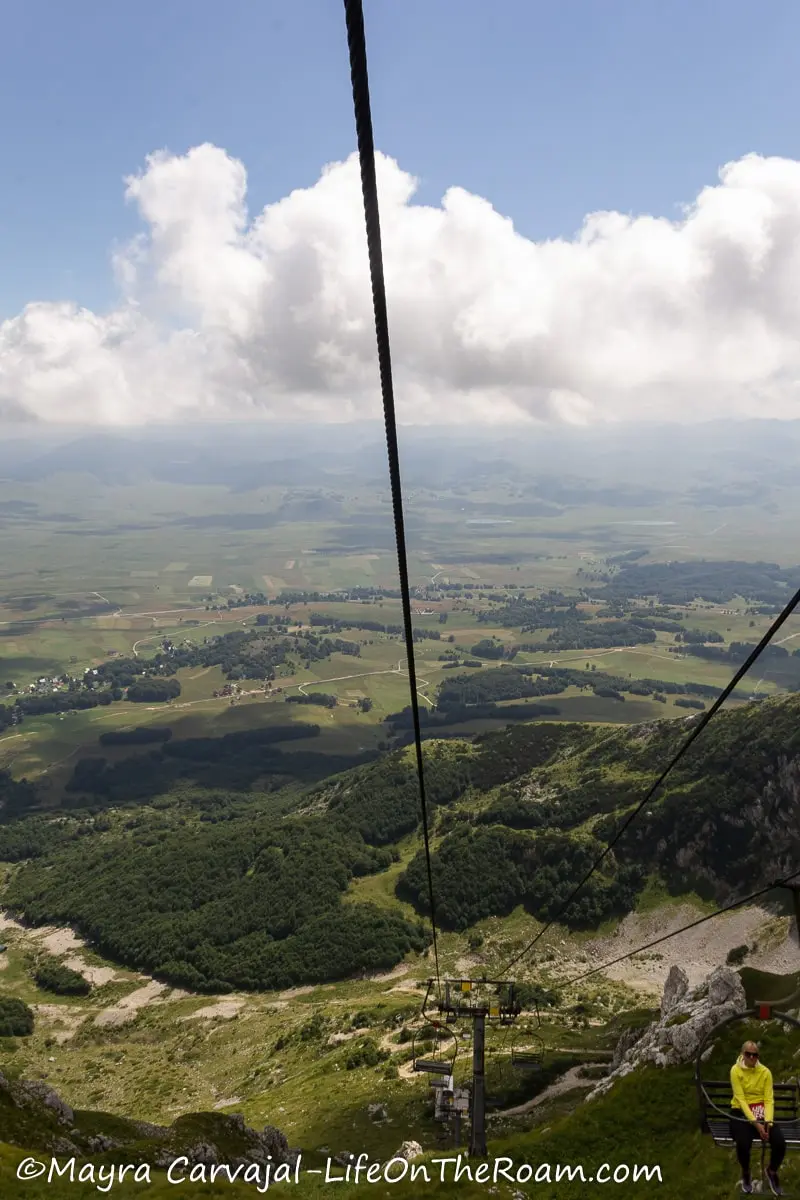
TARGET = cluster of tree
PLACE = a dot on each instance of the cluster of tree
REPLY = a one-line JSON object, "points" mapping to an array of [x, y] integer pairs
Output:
{"points": [[459, 714], [549, 611], [315, 648], [16, 1018], [119, 673], [718, 582], [481, 872], [152, 690], [660, 624], [381, 801], [563, 807], [62, 702], [322, 698], [489, 686], [536, 995], [245, 904], [249, 600], [52, 976], [334, 623], [518, 682], [32, 835], [593, 635], [269, 914], [278, 621], [737, 652], [364, 594], [695, 636], [569, 677], [487, 648], [16, 797], [365, 1053], [730, 815], [242, 654]]}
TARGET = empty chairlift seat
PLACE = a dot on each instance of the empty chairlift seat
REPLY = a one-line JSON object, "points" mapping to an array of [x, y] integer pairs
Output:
{"points": [[440, 1059]]}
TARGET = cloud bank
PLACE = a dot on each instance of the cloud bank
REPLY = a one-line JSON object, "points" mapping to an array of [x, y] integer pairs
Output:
{"points": [[222, 315]]}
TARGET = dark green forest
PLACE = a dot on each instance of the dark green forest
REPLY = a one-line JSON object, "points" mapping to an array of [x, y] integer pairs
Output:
{"points": [[212, 880]]}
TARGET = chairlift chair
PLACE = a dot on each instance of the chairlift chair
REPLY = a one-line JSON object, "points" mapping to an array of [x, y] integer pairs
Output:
{"points": [[445, 1048], [529, 1058], [714, 1094]]}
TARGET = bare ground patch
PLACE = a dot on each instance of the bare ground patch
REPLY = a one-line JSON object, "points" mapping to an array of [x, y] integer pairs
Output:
{"points": [[58, 941], [565, 1083], [698, 951], [95, 975], [126, 1009], [387, 976], [223, 1010], [64, 1021], [290, 993]]}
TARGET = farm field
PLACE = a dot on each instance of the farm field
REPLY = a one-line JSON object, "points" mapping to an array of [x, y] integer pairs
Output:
{"points": [[100, 566]]}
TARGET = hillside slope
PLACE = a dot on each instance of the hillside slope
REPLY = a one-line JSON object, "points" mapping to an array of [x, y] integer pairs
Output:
{"points": [[519, 815]]}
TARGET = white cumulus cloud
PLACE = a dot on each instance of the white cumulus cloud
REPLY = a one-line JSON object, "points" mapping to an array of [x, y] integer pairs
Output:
{"points": [[224, 314]]}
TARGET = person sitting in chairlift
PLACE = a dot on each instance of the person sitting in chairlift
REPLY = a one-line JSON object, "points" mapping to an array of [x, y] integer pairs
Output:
{"points": [[752, 1111]]}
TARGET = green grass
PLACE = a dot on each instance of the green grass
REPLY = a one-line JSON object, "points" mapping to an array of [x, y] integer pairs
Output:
{"points": [[655, 896], [649, 1118]]}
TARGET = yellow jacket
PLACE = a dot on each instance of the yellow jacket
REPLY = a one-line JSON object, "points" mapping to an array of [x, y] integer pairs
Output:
{"points": [[752, 1085]]}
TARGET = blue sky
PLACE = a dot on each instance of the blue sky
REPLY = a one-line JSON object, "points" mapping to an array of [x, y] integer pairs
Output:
{"points": [[550, 110]]}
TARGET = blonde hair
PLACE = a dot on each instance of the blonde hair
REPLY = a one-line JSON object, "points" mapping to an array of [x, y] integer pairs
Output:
{"points": [[748, 1045]]}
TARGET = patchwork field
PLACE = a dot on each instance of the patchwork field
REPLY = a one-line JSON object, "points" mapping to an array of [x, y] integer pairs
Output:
{"points": [[98, 564]]}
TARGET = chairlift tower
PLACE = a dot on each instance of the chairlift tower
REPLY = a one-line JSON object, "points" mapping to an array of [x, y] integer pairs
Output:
{"points": [[479, 1001]]}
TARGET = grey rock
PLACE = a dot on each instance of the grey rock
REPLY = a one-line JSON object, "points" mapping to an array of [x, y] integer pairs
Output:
{"points": [[725, 987], [33, 1091], [64, 1146], [675, 989], [100, 1144], [202, 1152], [669, 1041], [629, 1038], [409, 1150]]}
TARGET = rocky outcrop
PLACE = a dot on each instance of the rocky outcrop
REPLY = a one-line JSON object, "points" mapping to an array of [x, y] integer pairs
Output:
{"points": [[686, 1018], [675, 989], [409, 1151], [33, 1092], [33, 1115]]}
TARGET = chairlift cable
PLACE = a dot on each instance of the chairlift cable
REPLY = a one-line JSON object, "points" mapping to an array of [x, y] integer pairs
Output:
{"points": [[695, 733], [692, 925], [356, 42]]}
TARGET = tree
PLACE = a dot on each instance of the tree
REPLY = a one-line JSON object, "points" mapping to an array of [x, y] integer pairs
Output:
{"points": [[16, 1019], [364, 704]]}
